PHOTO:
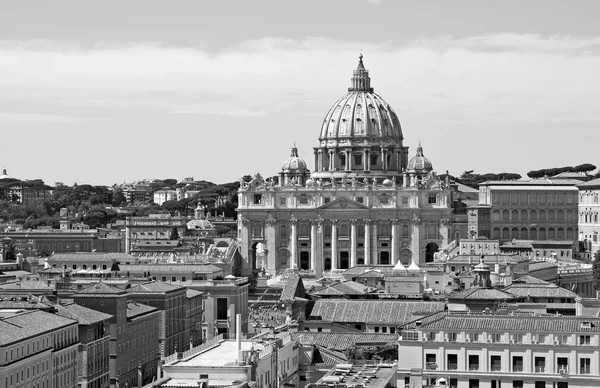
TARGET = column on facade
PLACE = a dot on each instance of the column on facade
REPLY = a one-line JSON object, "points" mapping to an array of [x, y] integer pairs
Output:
{"points": [[444, 223], [316, 160], [313, 245], [271, 264], [318, 260], [334, 240], [294, 244], [348, 162], [364, 161], [319, 165], [352, 243], [367, 242], [375, 245], [368, 161], [383, 159], [415, 245], [394, 241]]}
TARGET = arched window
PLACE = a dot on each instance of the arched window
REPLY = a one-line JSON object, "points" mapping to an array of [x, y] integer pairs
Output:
{"points": [[515, 233], [304, 229], [432, 230], [542, 215], [533, 234], [551, 215], [560, 233], [405, 257], [524, 234], [542, 235], [283, 231], [344, 230], [496, 233], [560, 215], [384, 230], [551, 234], [515, 215], [505, 234], [533, 215], [496, 215], [257, 229], [505, 215], [524, 215], [404, 230], [570, 217], [570, 233]]}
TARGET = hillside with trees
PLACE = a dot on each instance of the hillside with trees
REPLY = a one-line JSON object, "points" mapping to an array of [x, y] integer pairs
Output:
{"points": [[586, 168]]}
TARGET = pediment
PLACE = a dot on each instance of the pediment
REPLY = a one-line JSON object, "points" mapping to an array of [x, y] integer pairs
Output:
{"points": [[343, 204]]}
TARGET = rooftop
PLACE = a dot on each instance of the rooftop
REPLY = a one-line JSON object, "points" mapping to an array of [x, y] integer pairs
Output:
{"points": [[81, 314], [367, 376], [223, 354], [19, 326], [154, 287], [530, 323], [170, 267], [373, 311], [137, 309]]}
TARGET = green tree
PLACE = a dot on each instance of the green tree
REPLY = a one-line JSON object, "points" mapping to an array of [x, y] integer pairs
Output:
{"points": [[119, 198], [174, 234], [596, 270]]}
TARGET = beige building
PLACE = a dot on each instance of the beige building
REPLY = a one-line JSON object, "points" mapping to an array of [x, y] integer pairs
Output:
{"points": [[520, 350], [364, 202], [37, 349], [589, 216], [535, 209]]}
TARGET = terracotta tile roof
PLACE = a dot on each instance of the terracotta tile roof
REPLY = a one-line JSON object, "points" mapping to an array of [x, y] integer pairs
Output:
{"points": [[528, 279], [171, 267], [290, 287], [30, 323], [154, 287], [478, 293], [590, 184], [102, 288], [371, 274], [26, 285], [189, 293], [344, 288], [138, 309], [90, 256], [534, 290], [81, 314], [341, 341], [536, 323], [373, 311]]}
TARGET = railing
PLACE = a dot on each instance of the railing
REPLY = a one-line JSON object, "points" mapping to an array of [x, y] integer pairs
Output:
{"points": [[431, 366], [474, 367], [517, 369], [200, 348], [495, 368], [540, 369], [563, 370], [585, 371]]}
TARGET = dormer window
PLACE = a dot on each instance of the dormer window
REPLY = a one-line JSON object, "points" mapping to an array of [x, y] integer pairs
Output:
{"points": [[586, 325]]}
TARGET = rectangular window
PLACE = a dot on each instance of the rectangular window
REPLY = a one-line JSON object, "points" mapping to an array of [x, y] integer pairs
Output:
{"points": [[452, 337], [517, 384], [360, 199], [326, 199], [257, 199], [452, 362], [430, 361], [518, 338], [358, 160], [432, 199], [585, 366], [221, 308], [584, 340], [517, 364], [473, 362], [539, 364], [495, 363], [283, 201], [474, 337], [473, 383], [562, 365]]}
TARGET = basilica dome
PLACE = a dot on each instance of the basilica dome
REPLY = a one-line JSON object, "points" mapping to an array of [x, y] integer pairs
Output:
{"points": [[294, 162], [360, 115], [420, 163]]}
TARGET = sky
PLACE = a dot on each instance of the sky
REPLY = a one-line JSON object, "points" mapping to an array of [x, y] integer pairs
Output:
{"points": [[114, 91]]}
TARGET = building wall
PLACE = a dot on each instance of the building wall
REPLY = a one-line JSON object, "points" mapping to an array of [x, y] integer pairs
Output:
{"points": [[589, 220], [339, 227], [93, 368], [151, 228], [526, 212], [431, 358]]}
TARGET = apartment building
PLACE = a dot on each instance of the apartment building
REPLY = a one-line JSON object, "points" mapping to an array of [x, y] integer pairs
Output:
{"points": [[37, 349], [515, 350]]}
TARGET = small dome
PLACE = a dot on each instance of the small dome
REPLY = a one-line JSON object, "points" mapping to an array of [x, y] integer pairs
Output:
{"points": [[309, 182], [199, 224], [387, 182], [419, 163], [294, 162], [5, 175]]}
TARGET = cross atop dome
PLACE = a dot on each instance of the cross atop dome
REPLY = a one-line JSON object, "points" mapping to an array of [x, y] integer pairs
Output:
{"points": [[360, 79]]}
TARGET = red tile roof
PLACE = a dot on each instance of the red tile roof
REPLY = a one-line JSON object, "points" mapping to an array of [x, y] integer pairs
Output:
{"points": [[373, 311]]}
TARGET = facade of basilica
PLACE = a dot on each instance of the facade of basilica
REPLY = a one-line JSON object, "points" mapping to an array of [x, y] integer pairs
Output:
{"points": [[364, 202]]}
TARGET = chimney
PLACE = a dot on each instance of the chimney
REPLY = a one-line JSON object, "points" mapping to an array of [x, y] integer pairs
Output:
{"points": [[238, 338]]}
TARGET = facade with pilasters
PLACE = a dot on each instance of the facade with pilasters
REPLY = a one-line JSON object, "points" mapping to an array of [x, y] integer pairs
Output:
{"points": [[364, 202]]}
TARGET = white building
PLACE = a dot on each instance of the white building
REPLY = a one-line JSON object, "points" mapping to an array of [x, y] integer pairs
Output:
{"points": [[589, 216]]}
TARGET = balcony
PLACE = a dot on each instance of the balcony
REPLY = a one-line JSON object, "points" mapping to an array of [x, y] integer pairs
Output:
{"points": [[495, 368], [431, 366], [474, 367], [517, 369], [540, 369], [563, 370]]}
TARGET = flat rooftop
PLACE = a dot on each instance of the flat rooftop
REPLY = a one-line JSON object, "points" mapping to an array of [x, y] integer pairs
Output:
{"points": [[221, 355], [358, 376]]}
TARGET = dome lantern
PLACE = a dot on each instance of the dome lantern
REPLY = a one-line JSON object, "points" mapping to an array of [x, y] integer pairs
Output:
{"points": [[360, 79]]}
